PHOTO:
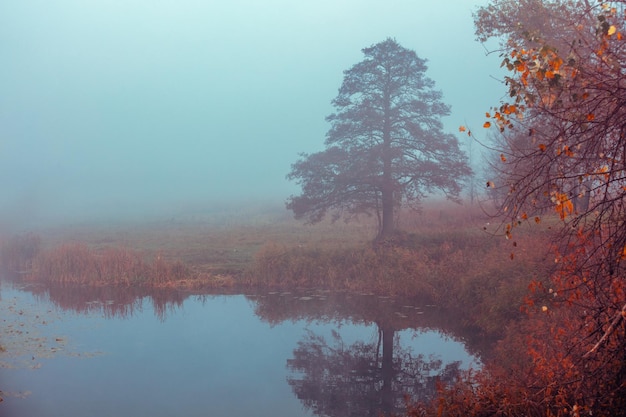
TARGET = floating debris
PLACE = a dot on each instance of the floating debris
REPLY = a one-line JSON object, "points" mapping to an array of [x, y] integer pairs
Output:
{"points": [[25, 335]]}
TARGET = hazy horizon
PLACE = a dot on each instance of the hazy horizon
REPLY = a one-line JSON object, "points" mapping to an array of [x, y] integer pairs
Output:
{"points": [[146, 108]]}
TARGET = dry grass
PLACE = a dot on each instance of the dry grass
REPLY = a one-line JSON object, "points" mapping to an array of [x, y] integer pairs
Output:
{"points": [[222, 245], [186, 252]]}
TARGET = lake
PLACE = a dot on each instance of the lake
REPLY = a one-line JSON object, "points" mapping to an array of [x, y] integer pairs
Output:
{"points": [[105, 352]]}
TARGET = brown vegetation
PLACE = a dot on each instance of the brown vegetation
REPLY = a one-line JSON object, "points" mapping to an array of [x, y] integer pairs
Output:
{"points": [[468, 270], [80, 264]]}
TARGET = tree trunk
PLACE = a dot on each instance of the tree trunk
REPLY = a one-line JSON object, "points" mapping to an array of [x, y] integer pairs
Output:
{"points": [[387, 404], [387, 197], [387, 185]]}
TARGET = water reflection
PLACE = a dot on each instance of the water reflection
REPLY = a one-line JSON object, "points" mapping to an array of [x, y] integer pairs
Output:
{"points": [[363, 379], [396, 313], [111, 302], [335, 378], [329, 367]]}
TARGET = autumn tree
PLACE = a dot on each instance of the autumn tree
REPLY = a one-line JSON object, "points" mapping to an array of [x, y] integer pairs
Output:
{"points": [[386, 146], [563, 152]]}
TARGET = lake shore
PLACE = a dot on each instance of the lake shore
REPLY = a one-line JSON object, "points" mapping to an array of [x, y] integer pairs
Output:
{"points": [[454, 256]]}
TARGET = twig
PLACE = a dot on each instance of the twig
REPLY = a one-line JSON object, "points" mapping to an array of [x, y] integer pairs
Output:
{"points": [[618, 316]]}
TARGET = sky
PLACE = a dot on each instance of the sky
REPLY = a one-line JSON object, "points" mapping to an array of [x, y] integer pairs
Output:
{"points": [[153, 107]]}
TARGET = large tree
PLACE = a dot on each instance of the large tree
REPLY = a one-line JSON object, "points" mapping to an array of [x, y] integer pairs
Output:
{"points": [[386, 146]]}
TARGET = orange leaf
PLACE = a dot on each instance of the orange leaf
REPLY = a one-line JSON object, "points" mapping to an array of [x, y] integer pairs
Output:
{"points": [[462, 129], [524, 79], [590, 117], [542, 147], [502, 157], [537, 220], [506, 109], [567, 151], [564, 206], [487, 125]]}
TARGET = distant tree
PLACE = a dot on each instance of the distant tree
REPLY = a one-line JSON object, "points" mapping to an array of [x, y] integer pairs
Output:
{"points": [[386, 146]]}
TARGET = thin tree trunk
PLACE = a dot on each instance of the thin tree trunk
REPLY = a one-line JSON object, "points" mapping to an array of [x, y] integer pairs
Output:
{"points": [[387, 370], [388, 223], [387, 185]]}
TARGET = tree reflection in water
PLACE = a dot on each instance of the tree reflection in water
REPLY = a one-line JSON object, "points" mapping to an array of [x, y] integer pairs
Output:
{"points": [[333, 378], [363, 379]]}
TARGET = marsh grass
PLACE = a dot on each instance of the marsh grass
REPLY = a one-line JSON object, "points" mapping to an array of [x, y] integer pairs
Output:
{"points": [[362, 268], [78, 264]]}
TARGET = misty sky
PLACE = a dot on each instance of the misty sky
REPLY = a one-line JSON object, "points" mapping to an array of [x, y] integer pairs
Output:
{"points": [[118, 106]]}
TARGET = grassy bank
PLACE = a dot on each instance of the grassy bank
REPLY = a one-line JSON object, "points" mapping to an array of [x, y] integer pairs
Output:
{"points": [[448, 253], [486, 277]]}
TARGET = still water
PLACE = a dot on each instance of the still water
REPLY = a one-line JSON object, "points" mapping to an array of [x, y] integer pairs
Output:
{"points": [[107, 353]]}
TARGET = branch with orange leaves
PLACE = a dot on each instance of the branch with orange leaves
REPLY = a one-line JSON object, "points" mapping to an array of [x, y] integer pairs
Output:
{"points": [[618, 316]]}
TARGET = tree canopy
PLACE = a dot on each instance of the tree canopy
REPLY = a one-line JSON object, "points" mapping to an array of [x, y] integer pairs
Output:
{"points": [[386, 146]]}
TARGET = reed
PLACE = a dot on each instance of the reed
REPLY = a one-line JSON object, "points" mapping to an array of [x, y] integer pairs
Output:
{"points": [[384, 270], [78, 264]]}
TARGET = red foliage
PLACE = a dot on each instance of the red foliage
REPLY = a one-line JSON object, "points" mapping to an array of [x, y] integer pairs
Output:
{"points": [[567, 357]]}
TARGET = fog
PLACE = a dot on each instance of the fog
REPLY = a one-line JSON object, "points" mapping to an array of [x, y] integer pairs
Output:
{"points": [[151, 108]]}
